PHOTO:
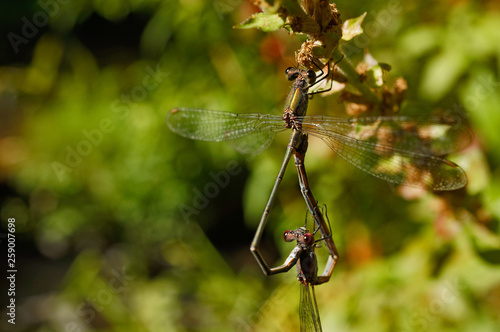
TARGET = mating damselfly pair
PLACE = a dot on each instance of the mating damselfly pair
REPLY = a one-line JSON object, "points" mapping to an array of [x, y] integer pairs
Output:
{"points": [[399, 149]]}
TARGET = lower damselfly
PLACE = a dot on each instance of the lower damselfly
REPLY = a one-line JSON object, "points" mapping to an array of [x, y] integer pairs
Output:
{"points": [[304, 257]]}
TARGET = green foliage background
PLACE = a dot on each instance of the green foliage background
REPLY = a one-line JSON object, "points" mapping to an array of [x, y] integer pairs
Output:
{"points": [[118, 237]]}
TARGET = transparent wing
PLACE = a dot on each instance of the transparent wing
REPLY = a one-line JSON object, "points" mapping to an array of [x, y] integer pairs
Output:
{"points": [[249, 133], [415, 168], [436, 136], [308, 310]]}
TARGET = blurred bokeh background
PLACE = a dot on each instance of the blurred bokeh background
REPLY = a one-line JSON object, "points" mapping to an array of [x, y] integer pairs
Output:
{"points": [[123, 226]]}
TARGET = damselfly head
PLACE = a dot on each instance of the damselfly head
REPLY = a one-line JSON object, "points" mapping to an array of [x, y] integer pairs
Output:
{"points": [[289, 236], [292, 73], [311, 76], [308, 239]]}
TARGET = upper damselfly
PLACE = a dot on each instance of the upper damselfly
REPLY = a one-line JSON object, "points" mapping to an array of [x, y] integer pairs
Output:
{"points": [[399, 149]]}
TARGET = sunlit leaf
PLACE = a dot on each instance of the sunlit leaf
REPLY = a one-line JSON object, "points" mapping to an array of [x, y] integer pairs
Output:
{"points": [[375, 76], [375, 72], [263, 21], [352, 27]]}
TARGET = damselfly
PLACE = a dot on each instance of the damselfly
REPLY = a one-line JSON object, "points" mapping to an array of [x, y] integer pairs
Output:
{"points": [[398, 149], [304, 257]]}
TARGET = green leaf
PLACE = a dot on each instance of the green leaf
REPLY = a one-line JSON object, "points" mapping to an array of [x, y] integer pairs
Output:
{"points": [[293, 8], [264, 21], [375, 76], [491, 256], [352, 27], [441, 73], [488, 248], [375, 72]]}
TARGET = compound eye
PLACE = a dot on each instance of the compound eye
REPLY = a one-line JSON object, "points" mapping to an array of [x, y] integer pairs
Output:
{"points": [[311, 76], [308, 239], [288, 236], [291, 73]]}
